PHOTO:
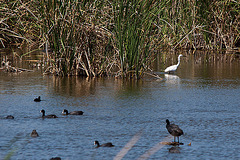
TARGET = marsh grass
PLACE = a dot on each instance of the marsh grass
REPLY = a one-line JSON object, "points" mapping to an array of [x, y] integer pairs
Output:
{"points": [[200, 24], [12, 21], [133, 26], [78, 44], [118, 37]]}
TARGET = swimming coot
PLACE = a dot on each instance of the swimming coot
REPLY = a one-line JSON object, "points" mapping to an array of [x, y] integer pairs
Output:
{"points": [[174, 130], [103, 145], [37, 99], [47, 116], [9, 117], [72, 113], [34, 133]]}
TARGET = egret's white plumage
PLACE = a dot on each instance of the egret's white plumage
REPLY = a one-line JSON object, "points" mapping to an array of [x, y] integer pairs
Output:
{"points": [[173, 67]]}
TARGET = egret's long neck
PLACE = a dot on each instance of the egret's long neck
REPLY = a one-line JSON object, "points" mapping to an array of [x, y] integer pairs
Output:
{"points": [[178, 61]]}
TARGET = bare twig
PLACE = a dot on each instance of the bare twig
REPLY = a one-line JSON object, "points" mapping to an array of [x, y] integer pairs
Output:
{"points": [[187, 35]]}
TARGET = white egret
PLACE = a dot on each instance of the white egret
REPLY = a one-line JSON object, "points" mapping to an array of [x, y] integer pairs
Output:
{"points": [[173, 67]]}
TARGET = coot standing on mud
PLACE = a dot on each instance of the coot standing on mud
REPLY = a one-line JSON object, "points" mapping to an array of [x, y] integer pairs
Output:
{"points": [[174, 130]]}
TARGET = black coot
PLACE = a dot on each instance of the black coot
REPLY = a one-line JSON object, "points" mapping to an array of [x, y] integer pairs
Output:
{"points": [[38, 99], [47, 116], [72, 113], [34, 133], [103, 145], [9, 117], [174, 130]]}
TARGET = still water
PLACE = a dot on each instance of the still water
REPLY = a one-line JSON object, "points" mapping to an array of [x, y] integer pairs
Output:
{"points": [[202, 97]]}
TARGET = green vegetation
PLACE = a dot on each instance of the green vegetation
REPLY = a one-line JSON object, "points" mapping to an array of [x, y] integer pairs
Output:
{"points": [[116, 37], [133, 25]]}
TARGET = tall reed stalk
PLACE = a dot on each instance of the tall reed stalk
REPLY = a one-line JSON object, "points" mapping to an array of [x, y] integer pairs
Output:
{"points": [[133, 26]]}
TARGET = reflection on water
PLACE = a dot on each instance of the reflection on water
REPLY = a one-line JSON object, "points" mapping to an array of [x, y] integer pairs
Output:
{"points": [[73, 86], [172, 79], [174, 149], [202, 97], [85, 86]]}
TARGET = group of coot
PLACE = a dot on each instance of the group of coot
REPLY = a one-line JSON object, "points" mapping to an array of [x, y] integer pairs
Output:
{"points": [[38, 99], [65, 112], [173, 129]]}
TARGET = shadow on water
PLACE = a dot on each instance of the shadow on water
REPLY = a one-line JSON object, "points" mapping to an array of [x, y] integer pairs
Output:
{"points": [[202, 97]]}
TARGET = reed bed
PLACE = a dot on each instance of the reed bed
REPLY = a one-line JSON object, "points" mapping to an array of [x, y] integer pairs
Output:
{"points": [[133, 26], [79, 46], [116, 37]]}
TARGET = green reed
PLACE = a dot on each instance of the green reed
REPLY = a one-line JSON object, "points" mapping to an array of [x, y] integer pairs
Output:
{"points": [[133, 26], [116, 37]]}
